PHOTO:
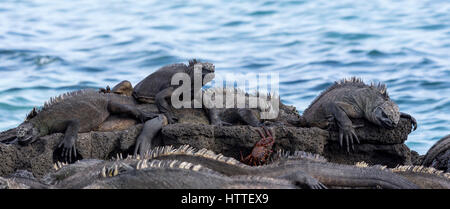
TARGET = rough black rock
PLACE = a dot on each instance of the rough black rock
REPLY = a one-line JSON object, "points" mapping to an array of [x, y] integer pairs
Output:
{"points": [[378, 145]]}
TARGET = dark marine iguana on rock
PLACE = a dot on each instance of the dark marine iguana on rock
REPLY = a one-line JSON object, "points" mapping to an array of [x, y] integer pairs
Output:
{"points": [[352, 98], [238, 109], [217, 116], [73, 112], [304, 169], [174, 174], [157, 87], [133, 173], [438, 156]]}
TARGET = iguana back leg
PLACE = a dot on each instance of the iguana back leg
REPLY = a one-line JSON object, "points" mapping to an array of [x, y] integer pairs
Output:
{"points": [[117, 108], [149, 131], [70, 137]]}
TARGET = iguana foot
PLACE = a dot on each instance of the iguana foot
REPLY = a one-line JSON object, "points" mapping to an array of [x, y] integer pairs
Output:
{"points": [[68, 149], [411, 118], [304, 180], [349, 135], [313, 183], [318, 186], [171, 119]]}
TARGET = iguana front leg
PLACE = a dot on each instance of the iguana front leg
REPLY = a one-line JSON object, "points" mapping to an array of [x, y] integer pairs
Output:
{"points": [[408, 116], [163, 106], [117, 108], [70, 137], [346, 130]]}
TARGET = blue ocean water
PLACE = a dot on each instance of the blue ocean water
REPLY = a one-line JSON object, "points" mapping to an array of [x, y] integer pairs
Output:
{"points": [[51, 47]]}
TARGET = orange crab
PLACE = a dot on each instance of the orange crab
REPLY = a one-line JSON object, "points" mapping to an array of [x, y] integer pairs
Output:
{"points": [[262, 149]]}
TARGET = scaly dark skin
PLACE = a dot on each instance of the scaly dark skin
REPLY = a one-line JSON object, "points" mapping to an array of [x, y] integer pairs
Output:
{"points": [[182, 175], [157, 88], [218, 116], [303, 169], [161, 168], [132, 173], [151, 127], [424, 177], [351, 98], [242, 113], [438, 156], [80, 111]]}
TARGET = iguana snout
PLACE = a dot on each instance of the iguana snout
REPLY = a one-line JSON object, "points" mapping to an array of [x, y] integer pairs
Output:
{"points": [[387, 115], [27, 133], [208, 70]]}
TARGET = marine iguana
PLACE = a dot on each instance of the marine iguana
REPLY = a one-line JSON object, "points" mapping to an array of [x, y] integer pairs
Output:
{"points": [[352, 98], [174, 174], [73, 112], [156, 174], [217, 116], [301, 168], [166, 167], [438, 156], [157, 87], [237, 109]]}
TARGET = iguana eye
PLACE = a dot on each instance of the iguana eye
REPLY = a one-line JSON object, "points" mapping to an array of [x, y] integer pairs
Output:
{"points": [[383, 114]]}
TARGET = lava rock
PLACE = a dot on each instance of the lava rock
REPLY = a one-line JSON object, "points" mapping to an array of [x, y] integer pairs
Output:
{"points": [[232, 140], [373, 134]]}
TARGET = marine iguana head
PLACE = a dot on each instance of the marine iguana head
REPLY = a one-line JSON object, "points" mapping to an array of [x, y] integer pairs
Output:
{"points": [[386, 115], [208, 70], [27, 133]]}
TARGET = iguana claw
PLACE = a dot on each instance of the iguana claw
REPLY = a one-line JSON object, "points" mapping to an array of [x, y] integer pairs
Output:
{"points": [[68, 149], [411, 118], [349, 135]]}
